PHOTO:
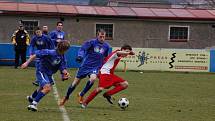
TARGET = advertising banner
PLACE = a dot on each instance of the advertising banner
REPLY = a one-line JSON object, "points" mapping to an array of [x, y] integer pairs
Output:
{"points": [[188, 60]]}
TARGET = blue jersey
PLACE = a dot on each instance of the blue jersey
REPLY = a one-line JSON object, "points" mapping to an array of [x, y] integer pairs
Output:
{"points": [[56, 36], [40, 42], [50, 61], [93, 52]]}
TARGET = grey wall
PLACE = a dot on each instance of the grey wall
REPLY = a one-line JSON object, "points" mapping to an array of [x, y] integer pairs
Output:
{"points": [[138, 33]]}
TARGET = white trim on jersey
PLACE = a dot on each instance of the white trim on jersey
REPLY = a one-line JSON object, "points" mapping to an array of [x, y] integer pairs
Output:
{"points": [[109, 64]]}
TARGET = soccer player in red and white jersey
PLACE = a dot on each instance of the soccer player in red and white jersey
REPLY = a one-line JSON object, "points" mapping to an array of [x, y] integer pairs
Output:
{"points": [[107, 78]]}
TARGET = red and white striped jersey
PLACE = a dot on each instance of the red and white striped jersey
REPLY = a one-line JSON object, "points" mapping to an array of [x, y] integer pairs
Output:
{"points": [[110, 63]]}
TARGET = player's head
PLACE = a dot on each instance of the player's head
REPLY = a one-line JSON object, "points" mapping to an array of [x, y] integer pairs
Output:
{"points": [[59, 25], [101, 34], [21, 27], [45, 29], [63, 46], [126, 48], [38, 31]]}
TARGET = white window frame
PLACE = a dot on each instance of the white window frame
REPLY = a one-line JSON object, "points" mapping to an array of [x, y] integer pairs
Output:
{"points": [[24, 20], [188, 34], [104, 24]]}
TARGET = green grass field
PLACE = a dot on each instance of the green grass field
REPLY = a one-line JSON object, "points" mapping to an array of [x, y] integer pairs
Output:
{"points": [[153, 96]]}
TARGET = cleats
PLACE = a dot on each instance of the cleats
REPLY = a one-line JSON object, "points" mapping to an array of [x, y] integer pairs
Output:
{"points": [[63, 101], [35, 83], [80, 98], [84, 105], [108, 97], [29, 99], [32, 107]]}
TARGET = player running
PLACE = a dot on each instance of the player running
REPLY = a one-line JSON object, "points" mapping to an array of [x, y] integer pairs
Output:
{"points": [[39, 42], [107, 78], [50, 62], [92, 53]]}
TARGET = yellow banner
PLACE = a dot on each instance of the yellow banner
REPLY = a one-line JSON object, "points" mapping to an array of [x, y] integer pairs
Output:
{"points": [[189, 60]]}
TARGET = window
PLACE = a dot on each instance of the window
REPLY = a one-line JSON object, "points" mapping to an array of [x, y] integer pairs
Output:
{"points": [[30, 26], [178, 33], [108, 29]]}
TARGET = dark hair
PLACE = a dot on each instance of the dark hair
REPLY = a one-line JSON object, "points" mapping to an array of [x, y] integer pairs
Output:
{"points": [[37, 28], [126, 46], [59, 22], [63, 45], [101, 31]]}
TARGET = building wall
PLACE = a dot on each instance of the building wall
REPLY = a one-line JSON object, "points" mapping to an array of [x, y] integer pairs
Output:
{"points": [[138, 33]]}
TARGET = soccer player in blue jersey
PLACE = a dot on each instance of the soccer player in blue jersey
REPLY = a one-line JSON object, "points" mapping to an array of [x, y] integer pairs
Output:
{"points": [[50, 62], [39, 42], [58, 34], [92, 53]]}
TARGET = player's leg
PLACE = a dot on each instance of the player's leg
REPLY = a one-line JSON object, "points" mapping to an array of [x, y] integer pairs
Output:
{"points": [[23, 55], [39, 78], [92, 95], [36, 83], [33, 95], [17, 54], [45, 89], [87, 87], [70, 89], [119, 84]]}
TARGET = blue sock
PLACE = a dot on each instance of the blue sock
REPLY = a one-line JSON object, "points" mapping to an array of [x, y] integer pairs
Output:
{"points": [[69, 91], [39, 96], [34, 94], [86, 88]]}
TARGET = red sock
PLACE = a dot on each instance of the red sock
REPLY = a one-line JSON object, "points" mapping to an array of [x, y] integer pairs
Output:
{"points": [[115, 90], [91, 96]]}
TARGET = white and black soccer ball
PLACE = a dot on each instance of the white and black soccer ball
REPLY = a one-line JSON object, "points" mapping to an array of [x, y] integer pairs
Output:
{"points": [[123, 103]]}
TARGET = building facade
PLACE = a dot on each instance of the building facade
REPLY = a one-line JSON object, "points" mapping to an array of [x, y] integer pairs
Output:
{"points": [[137, 30]]}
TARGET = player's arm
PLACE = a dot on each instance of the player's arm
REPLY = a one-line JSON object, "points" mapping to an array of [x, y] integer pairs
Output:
{"points": [[14, 37], [119, 53], [82, 51], [32, 45], [27, 38], [64, 73], [25, 65], [50, 43], [107, 51], [52, 36], [38, 54]]}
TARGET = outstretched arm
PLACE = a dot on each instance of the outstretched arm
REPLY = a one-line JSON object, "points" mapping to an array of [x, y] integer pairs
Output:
{"points": [[25, 65], [125, 53]]}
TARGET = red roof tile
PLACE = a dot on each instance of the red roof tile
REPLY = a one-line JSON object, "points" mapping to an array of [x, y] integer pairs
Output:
{"points": [[156, 13], [162, 12], [105, 10], [124, 11], [27, 7], [212, 12], [8, 6], [86, 10], [47, 8], [182, 13], [143, 12], [66, 9], [201, 13]]}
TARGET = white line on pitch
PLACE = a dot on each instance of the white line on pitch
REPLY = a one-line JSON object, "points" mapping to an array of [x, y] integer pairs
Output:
{"points": [[61, 108]]}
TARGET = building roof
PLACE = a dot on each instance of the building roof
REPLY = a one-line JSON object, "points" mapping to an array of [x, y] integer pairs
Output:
{"points": [[98, 11]]}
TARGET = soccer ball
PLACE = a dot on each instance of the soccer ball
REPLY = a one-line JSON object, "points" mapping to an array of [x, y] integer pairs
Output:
{"points": [[123, 103]]}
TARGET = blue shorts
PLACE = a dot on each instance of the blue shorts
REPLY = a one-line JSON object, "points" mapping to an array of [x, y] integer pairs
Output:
{"points": [[83, 72], [44, 79]]}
